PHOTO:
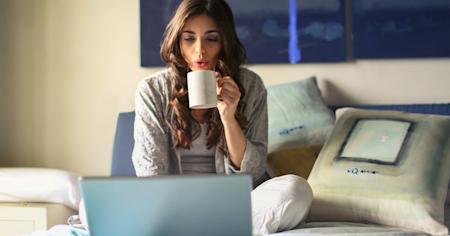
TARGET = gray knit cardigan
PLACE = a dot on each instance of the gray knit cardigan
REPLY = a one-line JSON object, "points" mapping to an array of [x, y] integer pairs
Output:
{"points": [[154, 152]]}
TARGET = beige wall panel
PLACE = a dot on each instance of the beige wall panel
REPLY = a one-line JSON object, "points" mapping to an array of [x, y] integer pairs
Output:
{"points": [[67, 68]]}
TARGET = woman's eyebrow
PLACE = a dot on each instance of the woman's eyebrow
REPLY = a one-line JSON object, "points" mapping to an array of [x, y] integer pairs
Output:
{"points": [[211, 31], [206, 32]]}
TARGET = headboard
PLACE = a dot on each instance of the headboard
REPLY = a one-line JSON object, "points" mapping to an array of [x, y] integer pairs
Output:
{"points": [[123, 141]]}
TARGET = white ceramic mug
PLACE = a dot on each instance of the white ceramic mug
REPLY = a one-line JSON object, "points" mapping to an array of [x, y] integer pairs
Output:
{"points": [[202, 89]]}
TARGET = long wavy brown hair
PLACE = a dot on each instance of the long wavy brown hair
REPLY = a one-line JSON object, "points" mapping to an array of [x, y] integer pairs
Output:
{"points": [[231, 58]]}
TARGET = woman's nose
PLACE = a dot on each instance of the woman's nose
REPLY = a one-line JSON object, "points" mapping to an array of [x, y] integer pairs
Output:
{"points": [[199, 47]]}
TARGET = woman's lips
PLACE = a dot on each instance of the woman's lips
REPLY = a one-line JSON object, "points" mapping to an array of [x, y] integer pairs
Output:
{"points": [[201, 64]]}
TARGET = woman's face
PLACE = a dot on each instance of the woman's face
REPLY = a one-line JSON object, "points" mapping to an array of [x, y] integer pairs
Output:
{"points": [[200, 43]]}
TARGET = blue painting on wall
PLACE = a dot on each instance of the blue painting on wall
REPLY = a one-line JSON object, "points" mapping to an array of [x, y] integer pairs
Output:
{"points": [[155, 14], [272, 31], [401, 28]]}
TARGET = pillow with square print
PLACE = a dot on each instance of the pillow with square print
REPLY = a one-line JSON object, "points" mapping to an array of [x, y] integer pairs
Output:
{"points": [[297, 115], [384, 167], [338, 114]]}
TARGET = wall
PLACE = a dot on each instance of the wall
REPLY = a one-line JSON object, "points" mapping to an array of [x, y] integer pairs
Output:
{"points": [[372, 81], [67, 68]]}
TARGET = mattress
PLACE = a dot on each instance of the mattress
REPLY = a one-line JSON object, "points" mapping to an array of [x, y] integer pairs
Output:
{"points": [[346, 228], [353, 229]]}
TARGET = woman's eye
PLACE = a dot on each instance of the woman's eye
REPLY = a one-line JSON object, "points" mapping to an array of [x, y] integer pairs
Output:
{"points": [[189, 39], [212, 38]]}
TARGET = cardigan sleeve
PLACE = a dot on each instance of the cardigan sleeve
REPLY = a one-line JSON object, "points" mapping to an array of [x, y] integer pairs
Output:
{"points": [[151, 148], [255, 155]]}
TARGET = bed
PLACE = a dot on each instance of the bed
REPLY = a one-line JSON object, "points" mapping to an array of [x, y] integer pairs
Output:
{"points": [[122, 166], [303, 129]]}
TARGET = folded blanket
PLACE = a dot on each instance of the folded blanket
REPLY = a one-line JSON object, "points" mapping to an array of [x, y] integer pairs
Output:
{"points": [[62, 230]]}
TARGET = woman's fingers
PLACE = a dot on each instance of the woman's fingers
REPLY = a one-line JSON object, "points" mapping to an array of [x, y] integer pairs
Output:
{"points": [[228, 95], [227, 98], [227, 85]]}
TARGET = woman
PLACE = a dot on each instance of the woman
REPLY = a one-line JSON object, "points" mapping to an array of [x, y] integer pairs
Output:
{"points": [[201, 36], [231, 138]]}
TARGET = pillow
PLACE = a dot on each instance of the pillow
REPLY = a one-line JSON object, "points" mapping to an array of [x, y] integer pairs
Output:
{"points": [[447, 201], [298, 161], [297, 115], [280, 204], [384, 167], [39, 185]]}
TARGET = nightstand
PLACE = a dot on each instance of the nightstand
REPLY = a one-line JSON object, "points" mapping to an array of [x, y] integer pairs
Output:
{"points": [[24, 218]]}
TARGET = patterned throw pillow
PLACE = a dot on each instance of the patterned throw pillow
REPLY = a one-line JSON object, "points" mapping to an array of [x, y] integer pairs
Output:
{"points": [[297, 115], [384, 167]]}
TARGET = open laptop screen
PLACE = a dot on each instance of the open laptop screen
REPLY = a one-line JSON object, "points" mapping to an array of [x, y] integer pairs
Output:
{"points": [[168, 205]]}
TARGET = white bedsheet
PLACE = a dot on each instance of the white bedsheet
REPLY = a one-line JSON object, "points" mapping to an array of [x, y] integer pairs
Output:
{"points": [[346, 228], [305, 229], [312, 229]]}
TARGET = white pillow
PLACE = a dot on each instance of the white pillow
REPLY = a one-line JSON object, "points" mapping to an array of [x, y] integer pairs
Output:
{"points": [[39, 185], [280, 204]]}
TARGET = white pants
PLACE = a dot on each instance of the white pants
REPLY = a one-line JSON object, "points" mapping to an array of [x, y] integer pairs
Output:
{"points": [[280, 204]]}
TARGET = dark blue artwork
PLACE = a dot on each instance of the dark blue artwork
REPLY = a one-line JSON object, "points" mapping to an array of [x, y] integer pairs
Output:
{"points": [[155, 14], [272, 31], [283, 31], [401, 28]]}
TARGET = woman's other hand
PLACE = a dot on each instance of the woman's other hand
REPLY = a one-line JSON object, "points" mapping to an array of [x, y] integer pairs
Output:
{"points": [[228, 96]]}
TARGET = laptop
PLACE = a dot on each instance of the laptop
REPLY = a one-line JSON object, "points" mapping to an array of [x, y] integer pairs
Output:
{"points": [[168, 205]]}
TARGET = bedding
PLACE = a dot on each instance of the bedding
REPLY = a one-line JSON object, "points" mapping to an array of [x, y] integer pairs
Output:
{"points": [[433, 108], [384, 167], [121, 165], [280, 204], [347, 228], [39, 185], [62, 230], [297, 115]]}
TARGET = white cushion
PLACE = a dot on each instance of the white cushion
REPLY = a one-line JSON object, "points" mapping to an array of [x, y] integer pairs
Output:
{"points": [[39, 185], [280, 204]]}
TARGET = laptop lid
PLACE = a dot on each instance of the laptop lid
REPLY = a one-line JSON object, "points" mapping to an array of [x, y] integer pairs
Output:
{"points": [[168, 205]]}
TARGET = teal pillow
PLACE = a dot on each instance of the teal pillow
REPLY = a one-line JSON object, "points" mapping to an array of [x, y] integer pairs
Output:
{"points": [[297, 115], [384, 167]]}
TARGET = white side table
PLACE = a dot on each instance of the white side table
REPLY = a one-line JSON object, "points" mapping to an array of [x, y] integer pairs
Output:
{"points": [[24, 218]]}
